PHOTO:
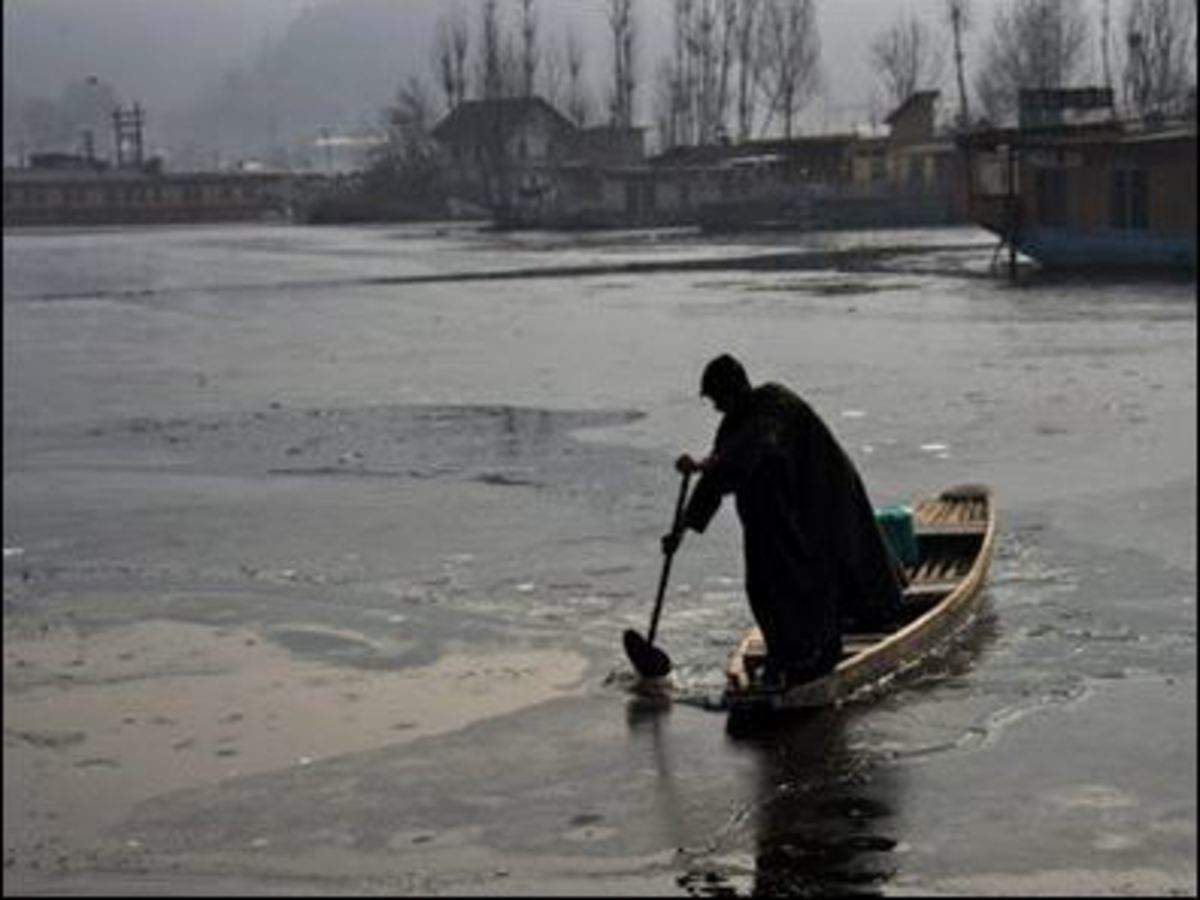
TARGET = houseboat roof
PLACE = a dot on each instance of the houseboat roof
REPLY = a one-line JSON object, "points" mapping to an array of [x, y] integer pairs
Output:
{"points": [[475, 117], [123, 176], [1113, 131], [756, 160], [785, 148]]}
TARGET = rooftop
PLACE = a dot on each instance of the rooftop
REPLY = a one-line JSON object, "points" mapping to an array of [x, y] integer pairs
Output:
{"points": [[473, 117]]}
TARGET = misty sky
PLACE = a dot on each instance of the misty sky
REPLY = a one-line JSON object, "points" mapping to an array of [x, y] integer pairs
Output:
{"points": [[169, 53], [217, 33]]}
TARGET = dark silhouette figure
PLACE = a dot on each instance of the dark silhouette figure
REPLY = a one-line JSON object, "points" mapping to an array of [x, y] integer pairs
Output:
{"points": [[816, 561]]}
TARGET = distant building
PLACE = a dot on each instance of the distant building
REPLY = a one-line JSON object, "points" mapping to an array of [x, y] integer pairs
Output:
{"points": [[917, 158], [54, 160], [345, 153], [607, 146], [495, 147], [78, 196], [532, 167], [1098, 194], [1055, 107]]}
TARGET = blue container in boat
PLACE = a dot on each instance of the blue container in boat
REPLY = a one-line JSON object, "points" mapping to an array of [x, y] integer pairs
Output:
{"points": [[896, 522]]}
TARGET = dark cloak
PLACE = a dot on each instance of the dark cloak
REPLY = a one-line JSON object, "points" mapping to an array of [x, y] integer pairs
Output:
{"points": [[816, 562]]}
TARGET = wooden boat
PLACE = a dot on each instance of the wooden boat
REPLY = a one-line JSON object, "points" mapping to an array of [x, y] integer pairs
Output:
{"points": [[955, 532]]}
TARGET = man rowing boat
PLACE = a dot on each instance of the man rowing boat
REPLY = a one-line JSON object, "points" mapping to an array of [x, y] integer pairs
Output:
{"points": [[816, 562]]}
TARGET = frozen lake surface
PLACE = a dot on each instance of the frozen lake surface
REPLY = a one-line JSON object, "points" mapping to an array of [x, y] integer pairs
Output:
{"points": [[379, 449]]}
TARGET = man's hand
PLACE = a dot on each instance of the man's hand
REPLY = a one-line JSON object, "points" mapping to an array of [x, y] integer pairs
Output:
{"points": [[670, 541], [685, 465]]}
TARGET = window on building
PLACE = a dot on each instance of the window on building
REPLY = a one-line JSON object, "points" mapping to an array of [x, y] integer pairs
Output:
{"points": [[1117, 198], [1129, 199], [1139, 200], [649, 196], [631, 196], [916, 171], [941, 172], [1052, 196]]}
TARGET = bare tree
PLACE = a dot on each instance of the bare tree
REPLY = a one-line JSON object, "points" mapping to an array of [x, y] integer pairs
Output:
{"points": [[906, 58], [1158, 65], [704, 38], [790, 54], [621, 21], [499, 76], [628, 45], [578, 102], [709, 37], [683, 73], [1034, 44], [746, 31], [666, 117], [529, 49], [958, 15], [725, 62], [450, 45], [553, 70], [406, 167], [409, 122], [490, 63], [443, 61], [1105, 43]]}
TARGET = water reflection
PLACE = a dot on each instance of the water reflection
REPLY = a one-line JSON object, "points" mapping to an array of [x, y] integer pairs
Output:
{"points": [[646, 716], [812, 815], [817, 809], [824, 822]]}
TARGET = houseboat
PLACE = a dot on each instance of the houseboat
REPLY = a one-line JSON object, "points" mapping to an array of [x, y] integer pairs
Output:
{"points": [[1105, 193], [70, 195]]}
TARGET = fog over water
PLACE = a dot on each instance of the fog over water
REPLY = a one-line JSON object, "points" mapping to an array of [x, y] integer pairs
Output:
{"points": [[333, 444]]}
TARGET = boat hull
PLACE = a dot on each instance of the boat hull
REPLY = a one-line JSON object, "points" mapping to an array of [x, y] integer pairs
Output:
{"points": [[956, 533], [1064, 248]]}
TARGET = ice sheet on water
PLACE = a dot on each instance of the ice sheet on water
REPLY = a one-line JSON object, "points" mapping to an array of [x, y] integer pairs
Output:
{"points": [[498, 446]]}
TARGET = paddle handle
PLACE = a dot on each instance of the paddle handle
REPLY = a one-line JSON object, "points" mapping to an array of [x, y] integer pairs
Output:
{"points": [[666, 569]]}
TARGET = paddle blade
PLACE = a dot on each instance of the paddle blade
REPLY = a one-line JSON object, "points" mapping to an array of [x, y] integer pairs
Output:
{"points": [[648, 660]]}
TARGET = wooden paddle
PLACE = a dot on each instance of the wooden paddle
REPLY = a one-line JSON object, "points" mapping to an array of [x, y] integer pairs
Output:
{"points": [[648, 660]]}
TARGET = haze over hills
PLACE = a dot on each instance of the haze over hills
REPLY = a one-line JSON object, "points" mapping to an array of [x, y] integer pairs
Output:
{"points": [[160, 51], [227, 75], [227, 79]]}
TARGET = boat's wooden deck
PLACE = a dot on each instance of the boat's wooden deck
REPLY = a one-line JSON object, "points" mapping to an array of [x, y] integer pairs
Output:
{"points": [[951, 514]]}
